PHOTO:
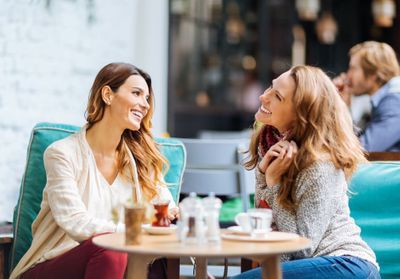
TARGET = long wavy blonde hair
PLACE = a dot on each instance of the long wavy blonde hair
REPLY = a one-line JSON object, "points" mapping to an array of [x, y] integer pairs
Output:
{"points": [[151, 164], [323, 130]]}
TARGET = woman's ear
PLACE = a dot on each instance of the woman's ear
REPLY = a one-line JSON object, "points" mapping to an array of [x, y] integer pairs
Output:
{"points": [[107, 94]]}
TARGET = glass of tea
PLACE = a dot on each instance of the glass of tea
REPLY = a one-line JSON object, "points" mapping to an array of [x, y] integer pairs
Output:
{"points": [[161, 216], [134, 217]]}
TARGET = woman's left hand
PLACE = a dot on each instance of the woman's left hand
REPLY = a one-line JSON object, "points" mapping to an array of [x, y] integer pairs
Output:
{"points": [[173, 213], [280, 165]]}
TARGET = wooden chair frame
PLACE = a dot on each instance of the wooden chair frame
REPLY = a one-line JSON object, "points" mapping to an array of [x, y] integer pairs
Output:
{"points": [[383, 156]]}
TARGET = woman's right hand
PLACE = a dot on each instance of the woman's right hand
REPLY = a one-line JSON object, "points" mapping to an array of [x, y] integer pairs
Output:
{"points": [[173, 213], [266, 160], [277, 150], [285, 152]]}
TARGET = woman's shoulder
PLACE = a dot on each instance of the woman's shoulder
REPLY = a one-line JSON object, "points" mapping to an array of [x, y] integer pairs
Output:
{"points": [[67, 145], [320, 168], [320, 165], [320, 176]]}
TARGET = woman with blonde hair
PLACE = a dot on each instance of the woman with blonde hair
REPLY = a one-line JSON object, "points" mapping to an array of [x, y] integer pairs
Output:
{"points": [[111, 159], [304, 153]]}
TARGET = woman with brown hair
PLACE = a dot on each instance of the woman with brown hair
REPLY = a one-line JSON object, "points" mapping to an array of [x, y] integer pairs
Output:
{"points": [[112, 158], [304, 153]]}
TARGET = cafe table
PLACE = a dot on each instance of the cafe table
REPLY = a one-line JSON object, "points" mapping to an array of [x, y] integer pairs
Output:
{"points": [[266, 253]]}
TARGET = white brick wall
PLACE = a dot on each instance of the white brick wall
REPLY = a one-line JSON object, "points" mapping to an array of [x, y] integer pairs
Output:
{"points": [[49, 57]]}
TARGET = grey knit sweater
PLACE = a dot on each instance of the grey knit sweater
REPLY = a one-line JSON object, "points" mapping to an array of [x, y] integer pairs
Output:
{"points": [[322, 215]]}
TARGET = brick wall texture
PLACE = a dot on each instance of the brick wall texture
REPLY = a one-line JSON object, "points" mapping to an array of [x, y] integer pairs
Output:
{"points": [[50, 52]]}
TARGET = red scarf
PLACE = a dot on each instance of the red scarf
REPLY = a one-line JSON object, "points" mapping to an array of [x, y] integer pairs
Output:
{"points": [[268, 137]]}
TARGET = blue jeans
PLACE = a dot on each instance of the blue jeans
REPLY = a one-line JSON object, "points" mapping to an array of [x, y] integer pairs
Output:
{"points": [[327, 267]]}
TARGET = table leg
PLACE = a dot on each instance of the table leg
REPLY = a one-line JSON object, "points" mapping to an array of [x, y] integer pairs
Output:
{"points": [[173, 268], [201, 268], [138, 266], [271, 267]]}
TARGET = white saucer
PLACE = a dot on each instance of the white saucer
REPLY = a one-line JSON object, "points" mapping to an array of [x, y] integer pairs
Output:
{"points": [[238, 230], [271, 236], [159, 230]]}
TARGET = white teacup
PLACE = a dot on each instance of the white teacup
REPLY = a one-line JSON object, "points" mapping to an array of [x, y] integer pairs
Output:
{"points": [[255, 220]]}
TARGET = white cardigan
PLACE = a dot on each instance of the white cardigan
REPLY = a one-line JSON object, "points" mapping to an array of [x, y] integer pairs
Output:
{"points": [[75, 204]]}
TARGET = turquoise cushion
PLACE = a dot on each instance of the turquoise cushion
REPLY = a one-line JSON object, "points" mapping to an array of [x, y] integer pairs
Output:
{"points": [[34, 179], [375, 206], [175, 152]]}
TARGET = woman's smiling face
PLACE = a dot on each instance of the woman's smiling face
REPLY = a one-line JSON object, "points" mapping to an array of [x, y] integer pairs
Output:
{"points": [[130, 103], [277, 108]]}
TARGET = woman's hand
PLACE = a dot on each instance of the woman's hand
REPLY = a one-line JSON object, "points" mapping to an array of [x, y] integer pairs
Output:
{"points": [[173, 213], [264, 163], [271, 154], [277, 150], [284, 153]]}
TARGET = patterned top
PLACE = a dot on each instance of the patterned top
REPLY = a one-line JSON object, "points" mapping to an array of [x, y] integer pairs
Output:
{"points": [[322, 214]]}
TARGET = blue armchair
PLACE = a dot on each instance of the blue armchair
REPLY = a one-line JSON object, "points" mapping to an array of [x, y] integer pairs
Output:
{"points": [[374, 204]]}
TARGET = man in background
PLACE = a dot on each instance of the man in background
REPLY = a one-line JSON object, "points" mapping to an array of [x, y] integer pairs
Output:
{"points": [[374, 70]]}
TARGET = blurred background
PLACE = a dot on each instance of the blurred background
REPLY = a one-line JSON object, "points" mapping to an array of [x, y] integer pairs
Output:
{"points": [[223, 53], [209, 59]]}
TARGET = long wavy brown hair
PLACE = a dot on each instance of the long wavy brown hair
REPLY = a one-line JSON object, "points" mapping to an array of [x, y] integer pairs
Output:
{"points": [[151, 164], [323, 131]]}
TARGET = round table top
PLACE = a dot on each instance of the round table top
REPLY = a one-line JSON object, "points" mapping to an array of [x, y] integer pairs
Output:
{"points": [[169, 246]]}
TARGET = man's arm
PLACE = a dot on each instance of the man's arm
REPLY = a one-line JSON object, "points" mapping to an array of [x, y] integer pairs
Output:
{"points": [[383, 132]]}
